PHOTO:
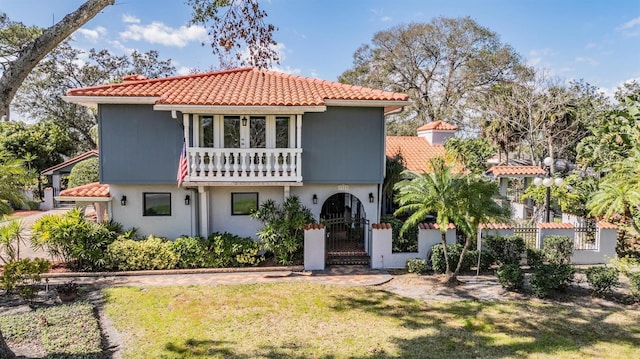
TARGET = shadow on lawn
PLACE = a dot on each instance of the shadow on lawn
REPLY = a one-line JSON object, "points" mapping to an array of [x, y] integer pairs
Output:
{"points": [[493, 329]]}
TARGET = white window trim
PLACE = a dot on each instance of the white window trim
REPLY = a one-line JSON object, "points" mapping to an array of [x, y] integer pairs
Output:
{"points": [[218, 127]]}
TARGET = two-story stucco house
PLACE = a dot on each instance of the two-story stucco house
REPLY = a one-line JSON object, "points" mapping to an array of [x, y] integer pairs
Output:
{"points": [[249, 135]]}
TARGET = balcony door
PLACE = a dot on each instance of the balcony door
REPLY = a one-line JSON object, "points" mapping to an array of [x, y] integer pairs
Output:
{"points": [[244, 132]]}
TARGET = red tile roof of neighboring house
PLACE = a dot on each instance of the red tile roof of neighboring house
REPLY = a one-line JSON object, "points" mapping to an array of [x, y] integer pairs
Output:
{"points": [[438, 126], [606, 225], [94, 189], [416, 151], [507, 171], [76, 159], [553, 225], [239, 87]]}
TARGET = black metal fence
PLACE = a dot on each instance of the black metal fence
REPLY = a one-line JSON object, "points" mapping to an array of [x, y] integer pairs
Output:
{"points": [[345, 234], [585, 236]]}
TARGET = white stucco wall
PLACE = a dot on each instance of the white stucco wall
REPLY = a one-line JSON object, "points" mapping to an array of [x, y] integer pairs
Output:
{"points": [[324, 191], [221, 219], [181, 221]]}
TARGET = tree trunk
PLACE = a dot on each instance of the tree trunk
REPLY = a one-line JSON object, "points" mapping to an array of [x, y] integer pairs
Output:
{"points": [[453, 278], [33, 52], [5, 352], [443, 239]]}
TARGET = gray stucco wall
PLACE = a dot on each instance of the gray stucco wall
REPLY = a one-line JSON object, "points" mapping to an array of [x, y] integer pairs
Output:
{"points": [[138, 145], [343, 145]]}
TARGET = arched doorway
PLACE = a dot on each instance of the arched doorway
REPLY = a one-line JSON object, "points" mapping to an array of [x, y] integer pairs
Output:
{"points": [[347, 228]]}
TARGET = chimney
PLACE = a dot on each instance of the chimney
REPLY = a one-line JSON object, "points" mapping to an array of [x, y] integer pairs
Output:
{"points": [[437, 132]]}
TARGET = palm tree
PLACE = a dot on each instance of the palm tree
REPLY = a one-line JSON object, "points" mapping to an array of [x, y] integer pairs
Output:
{"points": [[479, 205], [420, 195], [14, 176], [462, 199], [10, 238], [619, 191]]}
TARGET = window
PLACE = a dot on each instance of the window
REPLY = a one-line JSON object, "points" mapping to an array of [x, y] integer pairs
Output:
{"points": [[157, 204], [243, 203], [231, 132]]}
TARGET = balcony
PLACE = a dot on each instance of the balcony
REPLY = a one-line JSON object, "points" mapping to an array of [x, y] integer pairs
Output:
{"points": [[217, 165]]}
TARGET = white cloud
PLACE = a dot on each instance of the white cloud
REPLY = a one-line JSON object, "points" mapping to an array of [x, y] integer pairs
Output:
{"points": [[93, 35], [630, 28], [385, 19], [183, 70], [537, 57], [159, 33], [287, 70], [587, 60], [120, 46], [130, 19]]}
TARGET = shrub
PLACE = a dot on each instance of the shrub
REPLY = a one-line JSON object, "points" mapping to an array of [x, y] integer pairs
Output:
{"points": [[626, 264], [229, 250], [25, 273], [408, 241], [535, 257], [33, 205], [151, 253], [602, 279], [506, 249], [71, 238], [84, 172], [634, 282], [191, 252], [453, 250], [557, 249], [417, 265], [552, 276], [510, 276], [283, 231], [486, 259]]}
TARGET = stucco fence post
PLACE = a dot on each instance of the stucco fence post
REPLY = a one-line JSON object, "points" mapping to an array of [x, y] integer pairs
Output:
{"points": [[48, 203], [605, 248], [314, 247]]}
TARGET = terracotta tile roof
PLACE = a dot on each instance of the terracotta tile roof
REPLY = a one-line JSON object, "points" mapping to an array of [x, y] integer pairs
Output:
{"points": [[606, 225], [506, 171], [434, 226], [308, 227], [94, 189], [496, 226], [381, 226], [76, 159], [416, 151], [553, 225], [239, 87], [438, 126]]}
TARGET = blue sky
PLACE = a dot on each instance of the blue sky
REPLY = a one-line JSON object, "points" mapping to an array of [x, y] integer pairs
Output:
{"points": [[598, 41]]}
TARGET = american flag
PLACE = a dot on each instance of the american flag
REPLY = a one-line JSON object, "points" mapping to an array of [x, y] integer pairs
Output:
{"points": [[182, 165]]}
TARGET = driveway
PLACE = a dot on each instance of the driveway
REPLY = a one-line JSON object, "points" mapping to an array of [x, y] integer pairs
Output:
{"points": [[27, 222]]}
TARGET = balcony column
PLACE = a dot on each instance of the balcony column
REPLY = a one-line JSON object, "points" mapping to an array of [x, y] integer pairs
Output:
{"points": [[298, 131], [203, 201], [185, 123]]}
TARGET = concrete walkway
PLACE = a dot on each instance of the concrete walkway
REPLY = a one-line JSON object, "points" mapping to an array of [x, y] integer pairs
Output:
{"points": [[334, 275]]}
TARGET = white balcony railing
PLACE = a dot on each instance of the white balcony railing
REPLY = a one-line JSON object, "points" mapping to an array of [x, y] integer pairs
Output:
{"points": [[244, 165]]}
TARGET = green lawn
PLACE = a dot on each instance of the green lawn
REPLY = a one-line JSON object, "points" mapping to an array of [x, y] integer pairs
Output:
{"points": [[301, 320]]}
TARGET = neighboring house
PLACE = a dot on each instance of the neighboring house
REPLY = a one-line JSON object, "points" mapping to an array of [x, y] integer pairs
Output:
{"points": [[250, 135], [58, 174], [95, 194], [416, 151], [504, 173]]}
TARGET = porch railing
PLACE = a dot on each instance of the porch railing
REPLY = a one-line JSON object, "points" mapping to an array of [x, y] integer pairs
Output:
{"points": [[244, 164]]}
